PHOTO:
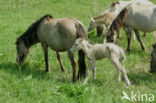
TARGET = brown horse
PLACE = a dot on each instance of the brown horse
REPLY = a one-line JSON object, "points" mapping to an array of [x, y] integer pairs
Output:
{"points": [[59, 35]]}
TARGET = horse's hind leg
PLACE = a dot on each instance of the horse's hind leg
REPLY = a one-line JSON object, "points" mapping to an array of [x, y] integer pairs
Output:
{"points": [[45, 48], [139, 39], [81, 63], [73, 62], [60, 61]]}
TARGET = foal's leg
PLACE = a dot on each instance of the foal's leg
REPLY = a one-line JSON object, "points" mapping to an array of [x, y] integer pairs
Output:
{"points": [[45, 48], [73, 62], [90, 66], [122, 69], [59, 59], [119, 75], [139, 39]]}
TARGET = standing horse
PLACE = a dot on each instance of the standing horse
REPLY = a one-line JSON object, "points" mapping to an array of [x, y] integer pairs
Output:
{"points": [[59, 35], [116, 7], [140, 18]]}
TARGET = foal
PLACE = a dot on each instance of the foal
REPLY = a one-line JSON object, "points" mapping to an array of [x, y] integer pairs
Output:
{"points": [[100, 51]]}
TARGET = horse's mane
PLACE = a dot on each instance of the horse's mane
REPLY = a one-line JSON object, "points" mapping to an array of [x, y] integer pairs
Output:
{"points": [[118, 21], [30, 36], [100, 16]]}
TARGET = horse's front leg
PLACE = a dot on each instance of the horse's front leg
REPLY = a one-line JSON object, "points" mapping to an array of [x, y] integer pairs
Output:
{"points": [[73, 63], [129, 36], [139, 39], [45, 48], [60, 61]]}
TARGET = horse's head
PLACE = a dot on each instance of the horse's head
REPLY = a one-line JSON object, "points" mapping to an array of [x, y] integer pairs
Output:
{"points": [[153, 59], [92, 25], [22, 51], [110, 36]]}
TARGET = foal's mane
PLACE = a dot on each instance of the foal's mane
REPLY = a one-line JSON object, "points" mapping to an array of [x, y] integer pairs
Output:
{"points": [[29, 37], [119, 21], [100, 16]]}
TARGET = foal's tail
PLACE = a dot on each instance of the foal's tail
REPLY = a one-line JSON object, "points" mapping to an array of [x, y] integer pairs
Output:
{"points": [[122, 55]]}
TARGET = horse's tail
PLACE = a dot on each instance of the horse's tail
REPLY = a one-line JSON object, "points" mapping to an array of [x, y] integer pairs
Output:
{"points": [[122, 55], [119, 20], [81, 30], [81, 33]]}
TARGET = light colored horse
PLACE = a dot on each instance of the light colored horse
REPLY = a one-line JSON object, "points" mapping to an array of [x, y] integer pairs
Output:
{"points": [[58, 34], [100, 51], [139, 18], [105, 19], [116, 7]]}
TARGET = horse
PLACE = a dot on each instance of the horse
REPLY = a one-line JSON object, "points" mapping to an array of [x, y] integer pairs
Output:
{"points": [[105, 19], [57, 33], [116, 7], [140, 18], [96, 52]]}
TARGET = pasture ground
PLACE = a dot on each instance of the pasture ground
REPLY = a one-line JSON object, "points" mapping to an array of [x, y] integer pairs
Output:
{"points": [[56, 87]]}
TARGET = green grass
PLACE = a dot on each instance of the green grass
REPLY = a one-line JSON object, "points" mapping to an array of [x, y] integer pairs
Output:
{"points": [[56, 87]]}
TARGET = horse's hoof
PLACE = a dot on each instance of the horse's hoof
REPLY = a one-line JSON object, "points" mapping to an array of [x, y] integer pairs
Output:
{"points": [[144, 48], [62, 68], [74, 80], [47, 70]]}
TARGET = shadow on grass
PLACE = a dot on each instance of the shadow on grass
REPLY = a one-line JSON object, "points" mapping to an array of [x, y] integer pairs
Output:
{"points": [[142, 78], [34, 72], [26, 70]]}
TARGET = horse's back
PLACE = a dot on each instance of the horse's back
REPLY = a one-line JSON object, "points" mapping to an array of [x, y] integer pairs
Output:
{"points": [[58, 34], [142, 18]]}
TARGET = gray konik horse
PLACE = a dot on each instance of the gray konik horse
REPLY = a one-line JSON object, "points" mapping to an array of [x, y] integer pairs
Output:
{"points": [[139, 18], [59, 35]]}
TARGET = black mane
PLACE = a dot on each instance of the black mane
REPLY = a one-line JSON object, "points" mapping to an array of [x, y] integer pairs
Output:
{"points": [[30, 36]]}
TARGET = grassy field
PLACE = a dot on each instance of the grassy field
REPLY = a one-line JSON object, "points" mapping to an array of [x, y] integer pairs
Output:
{"points": [[36, 86]]}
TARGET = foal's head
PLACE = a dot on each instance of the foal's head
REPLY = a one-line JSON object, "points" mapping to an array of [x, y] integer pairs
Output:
{"points": [[92, 25], [79, 44], [22, 51]]}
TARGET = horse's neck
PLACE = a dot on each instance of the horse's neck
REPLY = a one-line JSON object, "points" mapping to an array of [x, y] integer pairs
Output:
{"points": [[100, 20], [29, 41]]}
